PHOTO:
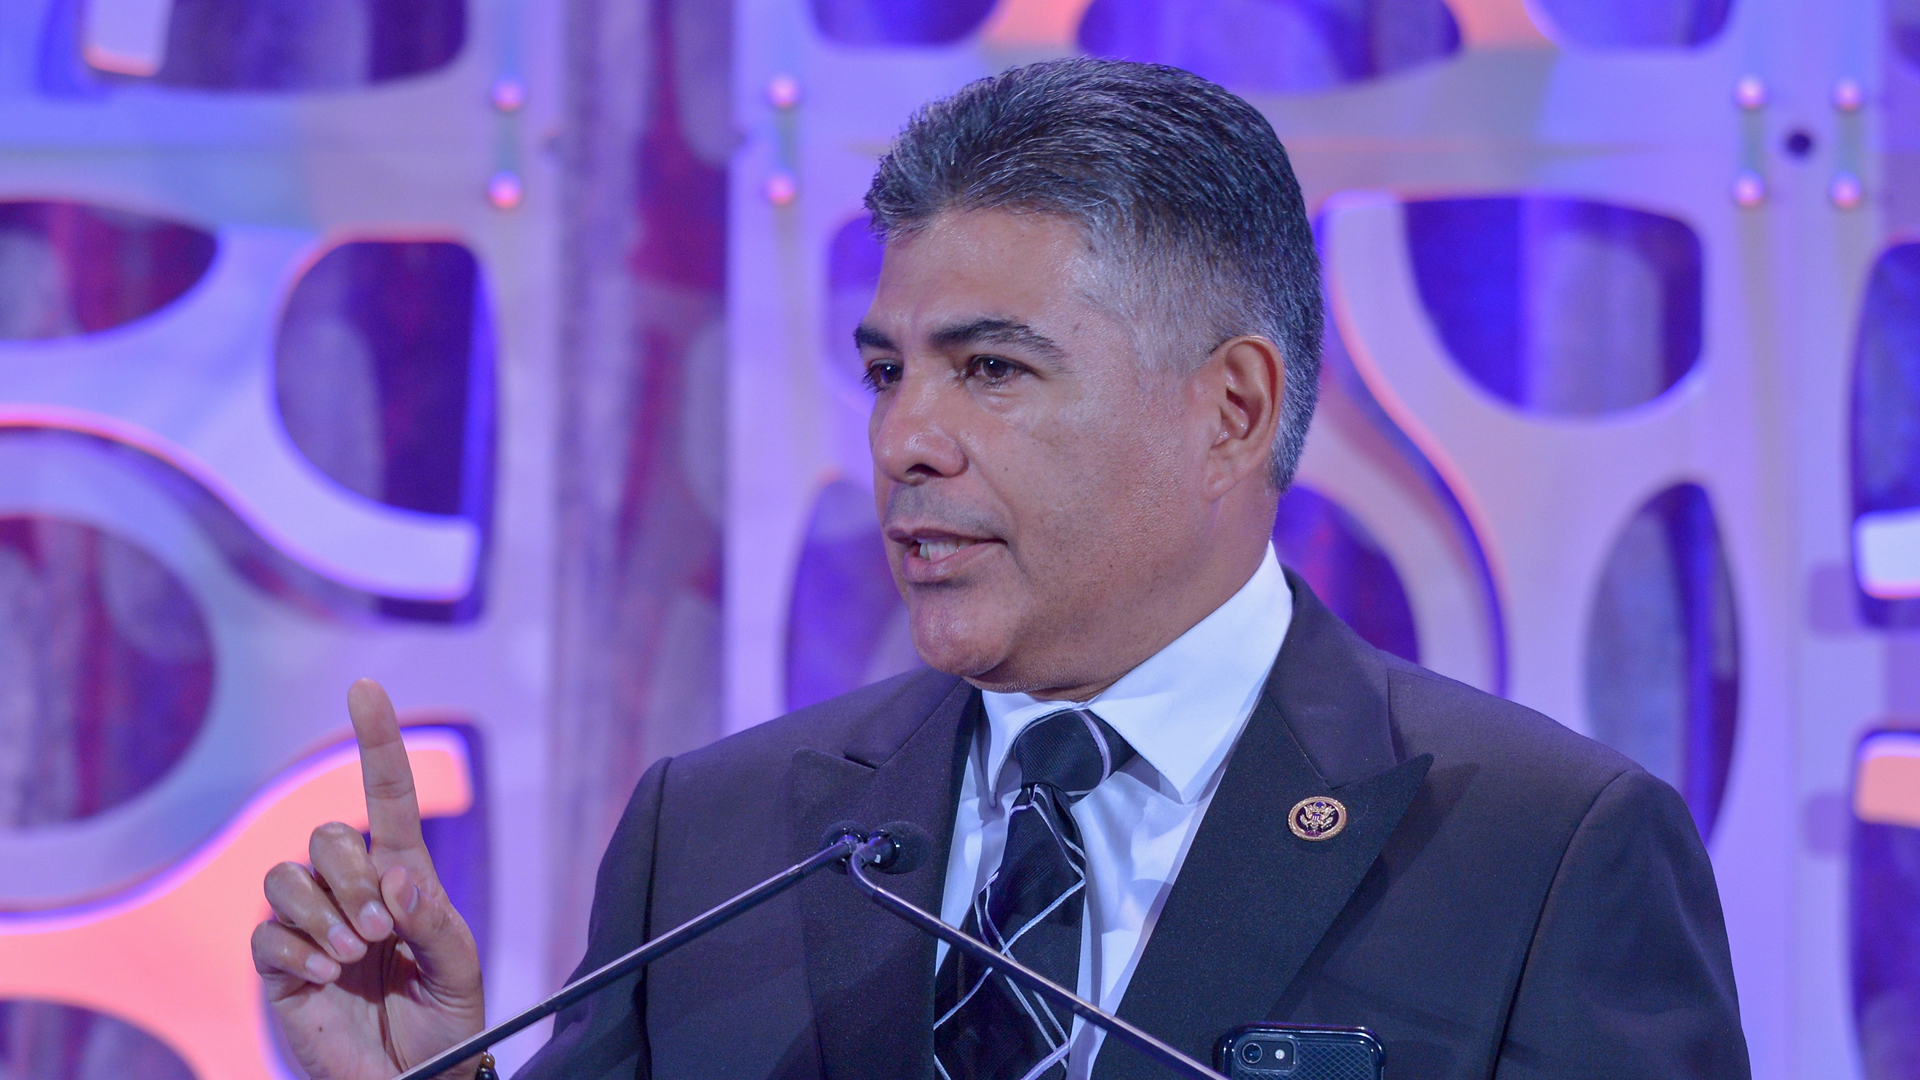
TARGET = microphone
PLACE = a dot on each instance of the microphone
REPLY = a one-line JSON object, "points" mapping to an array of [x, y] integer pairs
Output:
{"points": [[902, 846], [893, 847]]}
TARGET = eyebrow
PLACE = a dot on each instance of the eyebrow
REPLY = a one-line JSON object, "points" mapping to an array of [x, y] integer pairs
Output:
{"points": [[984, 331], [868, 337], [992, 331]]}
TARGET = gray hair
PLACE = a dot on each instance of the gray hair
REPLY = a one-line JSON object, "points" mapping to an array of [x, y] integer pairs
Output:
{"points": [[1182, 189]]}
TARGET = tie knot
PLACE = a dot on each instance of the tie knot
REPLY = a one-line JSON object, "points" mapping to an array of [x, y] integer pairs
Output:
{"points": [[1071, 751]]}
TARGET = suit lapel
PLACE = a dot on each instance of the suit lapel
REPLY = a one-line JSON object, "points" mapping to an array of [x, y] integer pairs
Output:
{"points": [[870, 975], [1252, 900]]}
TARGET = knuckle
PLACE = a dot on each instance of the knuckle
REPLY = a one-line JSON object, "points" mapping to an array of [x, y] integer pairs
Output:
{"points": [[396, 787], [339, 857], [334, 834], [276, 948], [285, 876]]}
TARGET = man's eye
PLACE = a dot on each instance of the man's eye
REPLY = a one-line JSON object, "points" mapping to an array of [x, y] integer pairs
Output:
{"points": [[880, 376], [994, 369]]}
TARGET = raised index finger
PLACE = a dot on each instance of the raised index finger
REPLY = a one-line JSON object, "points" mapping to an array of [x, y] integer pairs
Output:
{"points": [[393, 810]]}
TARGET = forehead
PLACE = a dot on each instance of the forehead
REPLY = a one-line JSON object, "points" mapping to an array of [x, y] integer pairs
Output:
{"points": [[979, 263]]}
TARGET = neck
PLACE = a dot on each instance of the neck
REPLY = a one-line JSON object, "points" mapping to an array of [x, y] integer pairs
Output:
{"points": [[1215, 585]]}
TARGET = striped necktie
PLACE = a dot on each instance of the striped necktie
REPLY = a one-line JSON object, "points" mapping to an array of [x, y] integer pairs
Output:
{"points": [[987, 1028]]}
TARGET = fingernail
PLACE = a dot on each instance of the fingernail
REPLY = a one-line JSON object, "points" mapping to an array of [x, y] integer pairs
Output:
{"points": [[410, 899], [376, 918], [322, 968], [345, 942]]}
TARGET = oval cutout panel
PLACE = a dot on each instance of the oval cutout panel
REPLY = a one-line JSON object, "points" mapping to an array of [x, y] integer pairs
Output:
{"points": [[846, 624], [272, 45], [1886, 442], [1663, 650], [1274, 46], [1883, 904], [898, 22], [384, 377], [42, 1040], [1903, 30], [1560, 307], [1318, 539], [1634, 24], [853, 272], [108, 669], [69, 268]]}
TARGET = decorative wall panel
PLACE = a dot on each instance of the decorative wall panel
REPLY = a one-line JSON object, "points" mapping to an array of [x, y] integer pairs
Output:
{"points": [[1380, 476], [1278, 46], [276, 411]]}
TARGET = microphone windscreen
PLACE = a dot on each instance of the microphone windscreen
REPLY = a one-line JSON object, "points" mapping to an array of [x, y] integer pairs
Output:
{"points": [[841, 829], [912, 845]]}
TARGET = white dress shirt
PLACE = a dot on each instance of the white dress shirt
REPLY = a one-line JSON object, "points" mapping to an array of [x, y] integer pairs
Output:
{"points": [[1182, 710]]}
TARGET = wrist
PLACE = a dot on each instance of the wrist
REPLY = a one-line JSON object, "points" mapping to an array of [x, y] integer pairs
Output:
{"points": [[479, 1067]]}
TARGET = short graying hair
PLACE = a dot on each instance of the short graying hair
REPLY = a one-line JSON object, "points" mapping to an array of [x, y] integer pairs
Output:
{"points": [[1182, 189]]}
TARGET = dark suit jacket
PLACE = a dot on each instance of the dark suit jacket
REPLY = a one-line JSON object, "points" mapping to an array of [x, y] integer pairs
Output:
{"points": [[1509, 898]]}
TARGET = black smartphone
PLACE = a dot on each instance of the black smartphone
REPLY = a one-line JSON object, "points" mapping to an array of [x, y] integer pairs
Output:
{"points": [[1299, 1052]]}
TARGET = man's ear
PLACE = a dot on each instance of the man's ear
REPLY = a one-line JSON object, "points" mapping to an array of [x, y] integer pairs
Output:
{"points": [[1246, 380]]}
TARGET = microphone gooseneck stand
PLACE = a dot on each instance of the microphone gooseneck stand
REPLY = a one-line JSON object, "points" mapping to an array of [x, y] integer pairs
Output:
{"points": [[837, 850], [894, 848]]}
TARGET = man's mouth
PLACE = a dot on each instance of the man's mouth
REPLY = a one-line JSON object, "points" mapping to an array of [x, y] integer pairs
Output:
{"points": [[936, 556], [935, 550]]}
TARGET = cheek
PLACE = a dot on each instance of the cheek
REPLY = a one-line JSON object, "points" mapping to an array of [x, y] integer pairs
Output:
{"points": [[1123, 448], [1099, 485]]}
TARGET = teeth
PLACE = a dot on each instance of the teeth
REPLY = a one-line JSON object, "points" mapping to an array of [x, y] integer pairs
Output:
{"points": [[934, 552]]}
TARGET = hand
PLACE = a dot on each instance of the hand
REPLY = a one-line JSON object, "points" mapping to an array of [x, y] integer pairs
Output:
{"points": [[369, 969]]}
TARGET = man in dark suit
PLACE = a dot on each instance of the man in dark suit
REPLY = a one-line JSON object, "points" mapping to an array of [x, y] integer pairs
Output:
{"points": [[1153, 766]]}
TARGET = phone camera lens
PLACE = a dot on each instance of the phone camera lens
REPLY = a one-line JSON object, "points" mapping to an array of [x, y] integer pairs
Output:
{"points": [[1252, 1052]]}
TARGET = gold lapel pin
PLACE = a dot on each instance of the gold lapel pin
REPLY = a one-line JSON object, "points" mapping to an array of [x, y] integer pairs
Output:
{"points": [[1317, 817]]}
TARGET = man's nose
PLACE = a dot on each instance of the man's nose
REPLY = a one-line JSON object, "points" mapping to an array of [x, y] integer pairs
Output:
{"points": [[912, 432]]}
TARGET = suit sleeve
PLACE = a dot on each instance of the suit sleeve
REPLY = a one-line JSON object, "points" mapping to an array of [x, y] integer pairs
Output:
{"points": [[1629, 974], [604, 1036]]}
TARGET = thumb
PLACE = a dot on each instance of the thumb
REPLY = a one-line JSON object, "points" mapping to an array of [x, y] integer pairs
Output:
{"points": [[441, 943]]}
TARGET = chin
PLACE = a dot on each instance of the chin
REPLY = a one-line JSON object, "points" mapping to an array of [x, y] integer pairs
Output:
{"points": [[955, 645], [967, 659]]}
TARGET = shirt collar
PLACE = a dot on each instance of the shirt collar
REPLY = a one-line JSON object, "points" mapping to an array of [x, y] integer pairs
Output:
{"points": [[1183, 707]]}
